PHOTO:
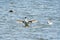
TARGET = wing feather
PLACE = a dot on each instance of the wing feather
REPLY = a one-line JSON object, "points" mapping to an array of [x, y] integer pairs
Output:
{"points": [[33, 21], [20, 21]]}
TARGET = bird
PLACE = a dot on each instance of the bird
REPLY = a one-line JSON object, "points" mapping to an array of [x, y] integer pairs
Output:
{"points": [[10, 10], [49, 22], [26, 22]]}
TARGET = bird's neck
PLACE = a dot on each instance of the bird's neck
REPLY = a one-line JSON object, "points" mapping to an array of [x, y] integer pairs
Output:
{"points": [[26, 20]]}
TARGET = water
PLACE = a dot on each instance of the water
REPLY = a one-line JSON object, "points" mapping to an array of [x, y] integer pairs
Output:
{"points": [[40, 10]]}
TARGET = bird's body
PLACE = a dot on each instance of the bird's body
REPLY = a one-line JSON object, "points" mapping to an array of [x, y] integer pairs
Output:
{"points": [[26, 24], [50, 22]]}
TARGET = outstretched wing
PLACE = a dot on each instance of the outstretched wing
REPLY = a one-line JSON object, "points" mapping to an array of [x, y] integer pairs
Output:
{"points": [[20, 21], [33, 21]]}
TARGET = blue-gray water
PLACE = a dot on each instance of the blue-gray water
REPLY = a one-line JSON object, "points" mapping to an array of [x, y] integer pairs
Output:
{"points": [[40, 10]]}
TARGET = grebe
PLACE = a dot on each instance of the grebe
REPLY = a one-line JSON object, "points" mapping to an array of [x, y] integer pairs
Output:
{"points": [[26, 22], [50, 22]]}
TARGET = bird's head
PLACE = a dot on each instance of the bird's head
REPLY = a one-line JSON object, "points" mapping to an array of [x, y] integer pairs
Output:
{"points": [[25, 17]]}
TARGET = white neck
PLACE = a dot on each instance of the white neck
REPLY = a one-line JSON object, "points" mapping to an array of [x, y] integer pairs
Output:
{"points": [[26, 20]]}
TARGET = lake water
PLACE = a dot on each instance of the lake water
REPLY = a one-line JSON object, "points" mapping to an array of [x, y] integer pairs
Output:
{"points": [[40, 10]]}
